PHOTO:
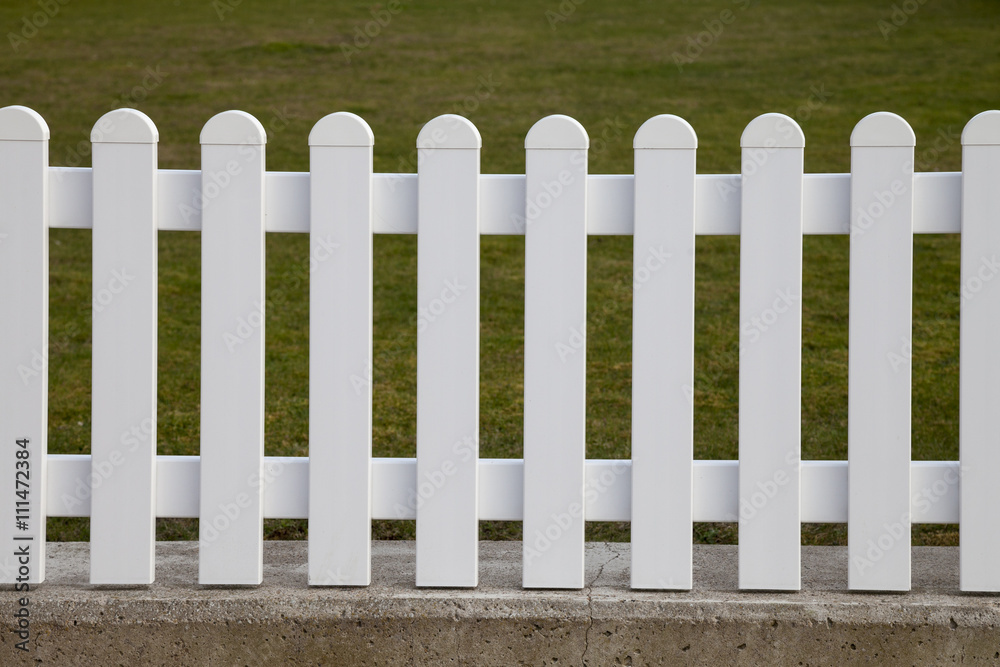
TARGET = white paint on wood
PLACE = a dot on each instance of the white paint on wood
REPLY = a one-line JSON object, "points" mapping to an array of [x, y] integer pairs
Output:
{"points": [[123, 422], [663, 354], [232, 350], [340, 351], [555, 351], [447, 498], [770, 354], [980, 354], [881, 293], [24, 368]]}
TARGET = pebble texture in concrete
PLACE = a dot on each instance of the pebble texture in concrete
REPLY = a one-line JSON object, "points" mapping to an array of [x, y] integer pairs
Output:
{"points": [[283, 621]]}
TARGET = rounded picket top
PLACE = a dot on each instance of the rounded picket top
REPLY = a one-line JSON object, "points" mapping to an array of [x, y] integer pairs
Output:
{"points": [[982, 130], [449, 131], [883, 128], [232, 128], [557, 132], [124, 126], [342, 128], [18, 123], [773, 130], [665, 131]]}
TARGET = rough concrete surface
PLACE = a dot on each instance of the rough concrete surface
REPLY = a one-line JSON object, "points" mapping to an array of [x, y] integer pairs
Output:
{"points": [[285, 622]]}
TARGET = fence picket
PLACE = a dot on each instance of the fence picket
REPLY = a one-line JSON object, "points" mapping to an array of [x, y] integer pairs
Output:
{"points": [[980, 355], [447, 499], [770, 353], [881, 288], [340, 351], [555, 311], [24, 302], [123, 425], [663, 354], [232, 350]]}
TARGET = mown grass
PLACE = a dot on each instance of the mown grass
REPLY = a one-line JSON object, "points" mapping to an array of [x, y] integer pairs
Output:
{"points": [[505, 65]]}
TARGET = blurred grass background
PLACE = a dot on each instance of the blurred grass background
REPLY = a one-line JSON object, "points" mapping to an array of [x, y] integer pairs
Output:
{"points": [[504, 66]]}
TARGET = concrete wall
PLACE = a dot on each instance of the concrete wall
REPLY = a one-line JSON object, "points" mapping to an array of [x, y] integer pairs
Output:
{"points": [[175, 621]]}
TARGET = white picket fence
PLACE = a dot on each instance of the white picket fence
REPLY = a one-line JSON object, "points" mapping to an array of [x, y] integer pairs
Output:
{"points": [[123, 485]]}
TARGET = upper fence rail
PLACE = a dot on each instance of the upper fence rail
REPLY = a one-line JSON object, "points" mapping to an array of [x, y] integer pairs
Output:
{"points": [[826, 201], [123, 486]]}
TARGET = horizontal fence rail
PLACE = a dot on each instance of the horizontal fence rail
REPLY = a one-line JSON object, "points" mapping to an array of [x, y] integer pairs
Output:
{"points": [[123, 485], [607, 495], [826, 202]]}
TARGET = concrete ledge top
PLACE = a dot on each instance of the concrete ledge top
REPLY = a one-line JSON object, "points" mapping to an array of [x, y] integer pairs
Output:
{"points": [[606, 620]]}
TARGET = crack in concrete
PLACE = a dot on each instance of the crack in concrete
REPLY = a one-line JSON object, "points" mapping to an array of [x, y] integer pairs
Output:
{"points": [[590, 606]]}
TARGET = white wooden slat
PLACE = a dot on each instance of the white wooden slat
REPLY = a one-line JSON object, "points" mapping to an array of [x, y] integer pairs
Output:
{"points": [[340, 351], [663, 354], [24, 302], [881, 289], [980, 354], [770, 353], [715, 489], [555, 311], [123, 410], [447, 549], [232, 350]]}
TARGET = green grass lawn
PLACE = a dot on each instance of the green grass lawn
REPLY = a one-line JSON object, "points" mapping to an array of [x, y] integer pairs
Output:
{"points": [[505, 65]]}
